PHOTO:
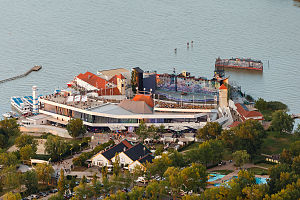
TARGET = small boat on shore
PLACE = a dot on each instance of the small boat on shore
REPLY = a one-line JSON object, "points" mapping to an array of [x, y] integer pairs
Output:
{"points": [[10, 115], [239, 63]]}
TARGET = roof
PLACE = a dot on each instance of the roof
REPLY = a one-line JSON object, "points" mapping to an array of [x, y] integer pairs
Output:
{"points": [[139, 107], [244, 111], [113, 72], [234, 124], [110, 153], [146, 98], [93, 80], [109, 91], [222, 87], [146, 158], [136, 152], [115, 78], [137, 69]]}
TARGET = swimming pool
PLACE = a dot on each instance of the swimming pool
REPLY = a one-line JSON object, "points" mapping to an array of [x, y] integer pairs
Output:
{"points": [[257, 179], [214, 177]]}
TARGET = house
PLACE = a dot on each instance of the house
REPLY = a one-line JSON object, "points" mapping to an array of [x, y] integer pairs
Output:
{"points": [[92, 82], [132, 154], [141, 162], [246, 114], [105, 158]]}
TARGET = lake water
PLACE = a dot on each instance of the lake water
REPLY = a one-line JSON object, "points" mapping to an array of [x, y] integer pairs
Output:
{"points": [[68, 37]]}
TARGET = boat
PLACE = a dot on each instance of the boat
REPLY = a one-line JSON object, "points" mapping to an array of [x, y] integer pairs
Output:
{"points": [[239, 63], [10, 115], [22, 105]]}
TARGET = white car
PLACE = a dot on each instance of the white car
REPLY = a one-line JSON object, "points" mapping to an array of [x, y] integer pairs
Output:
{"points": [[141, 179]]}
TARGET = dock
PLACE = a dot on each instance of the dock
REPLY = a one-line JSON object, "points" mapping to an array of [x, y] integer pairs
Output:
{"points": [[35, 68]]}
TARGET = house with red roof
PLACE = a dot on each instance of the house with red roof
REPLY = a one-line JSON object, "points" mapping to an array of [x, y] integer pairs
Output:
{"points": [[92, 82], [245, 114]]}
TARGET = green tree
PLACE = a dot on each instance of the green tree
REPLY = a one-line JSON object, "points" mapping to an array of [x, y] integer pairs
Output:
{"points": [[8, 159], [136, 193], [155, 190], [249, 136], [44, 172], [142, 130], [255, 192], [210, 131], [30, 179], [11, 179], [261, 104], [10, 127], [75, 127], [12, 196], [291, 192], [116, 165], [174, 180], [296, 165], [159, 165], [24, 140], [61, 184], [282, 122], [83, 191], [55, 147], [56, 197], [27, 152], [240, 157], [194, 177], [177, 159]]}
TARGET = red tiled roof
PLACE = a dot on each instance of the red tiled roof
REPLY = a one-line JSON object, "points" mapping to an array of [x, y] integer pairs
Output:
{"points": [[146, 98], [234, 124], [93, 80], [109, 91], [246, 113], [115, 77], [222, 87]]}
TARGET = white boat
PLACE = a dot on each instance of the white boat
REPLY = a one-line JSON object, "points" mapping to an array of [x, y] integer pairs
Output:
{"points": [[22, 104], [10, 115]]}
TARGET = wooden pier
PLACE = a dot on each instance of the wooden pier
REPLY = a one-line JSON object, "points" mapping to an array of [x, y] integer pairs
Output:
{"points": [[35, 68]]}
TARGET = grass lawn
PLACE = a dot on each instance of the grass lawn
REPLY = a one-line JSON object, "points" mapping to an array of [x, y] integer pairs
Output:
{"points": [[275, 142], [191, 146], [224, 172], [258, 171]]}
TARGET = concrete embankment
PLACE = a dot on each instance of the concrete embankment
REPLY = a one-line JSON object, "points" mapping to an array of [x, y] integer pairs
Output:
{"points": [[61, 132]]}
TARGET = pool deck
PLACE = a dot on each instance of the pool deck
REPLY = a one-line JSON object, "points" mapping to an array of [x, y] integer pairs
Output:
{"points": [[230, 166]]}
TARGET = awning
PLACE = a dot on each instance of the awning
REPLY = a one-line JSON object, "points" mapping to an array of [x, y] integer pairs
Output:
{"points": [[57, 121], [117, 128]]}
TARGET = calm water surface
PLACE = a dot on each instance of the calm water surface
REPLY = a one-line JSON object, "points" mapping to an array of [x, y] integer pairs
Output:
{"points": [[69, 37]]}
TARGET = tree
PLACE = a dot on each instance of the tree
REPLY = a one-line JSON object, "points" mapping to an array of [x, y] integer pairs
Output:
{"points": [[75, 127], [10, 127], [24, 140], [159, 165], [11, 179], [249, 136], [136, 193], [12, 196], [282, 122], [296, 165], [275, 172], [61, 185], [27, 152], [240, 157], [142, 130], [174, 180], [194, 177], [30, 179], [55, 147], [261, 104], [96, 186], [44, 172], [8, 159], [116, 165], [155, 190], [255, 192], [210, 131], [57, 197], [177, 159], [83, 191]]}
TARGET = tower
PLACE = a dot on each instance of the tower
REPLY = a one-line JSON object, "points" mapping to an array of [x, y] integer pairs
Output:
{"points": [[223, 93], [35, 107]]}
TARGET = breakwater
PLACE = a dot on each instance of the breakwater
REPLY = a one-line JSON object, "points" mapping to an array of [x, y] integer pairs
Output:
{"points": [[35, 68]]}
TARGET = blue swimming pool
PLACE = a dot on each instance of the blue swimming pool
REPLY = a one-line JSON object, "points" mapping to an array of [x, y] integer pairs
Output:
{"points": [[257, 179], [213, 177]]}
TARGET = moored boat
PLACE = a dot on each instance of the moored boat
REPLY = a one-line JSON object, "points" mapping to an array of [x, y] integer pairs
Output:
{"points": [[239, 63]]}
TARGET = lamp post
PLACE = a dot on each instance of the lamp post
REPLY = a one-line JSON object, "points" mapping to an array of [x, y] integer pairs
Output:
{"points": [[60, 156], [80, 146], [71, 150]]}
